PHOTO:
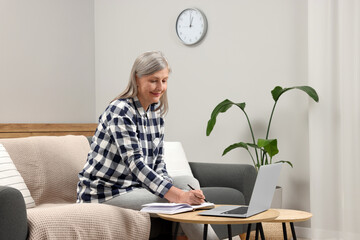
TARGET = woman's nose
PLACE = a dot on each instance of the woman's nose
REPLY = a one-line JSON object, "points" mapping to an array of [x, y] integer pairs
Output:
{"points": [[160, 86]]}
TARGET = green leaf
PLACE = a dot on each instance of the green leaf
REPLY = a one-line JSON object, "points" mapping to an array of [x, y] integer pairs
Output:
{"points": [[310, 91], [220, 108], [269, 145], [285, 162], [278, 91], [253, 145], [241, 105], [235, 145], [210, 126]]}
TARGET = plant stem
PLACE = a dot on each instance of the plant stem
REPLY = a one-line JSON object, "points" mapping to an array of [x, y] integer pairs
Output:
{"points": [[266, 160], [252, 134], [268, 128], [252, 157], [271, 116]]}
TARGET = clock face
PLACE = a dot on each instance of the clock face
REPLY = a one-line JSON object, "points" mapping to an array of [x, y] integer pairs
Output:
{"points": [[191, 26]]}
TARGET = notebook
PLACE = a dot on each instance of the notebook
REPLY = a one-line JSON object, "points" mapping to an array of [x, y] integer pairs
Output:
{"points": [[261, 197], [173, 208]]}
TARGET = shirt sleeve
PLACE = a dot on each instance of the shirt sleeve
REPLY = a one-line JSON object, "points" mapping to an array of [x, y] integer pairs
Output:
{"points": [[160, 166], [123, 129]]}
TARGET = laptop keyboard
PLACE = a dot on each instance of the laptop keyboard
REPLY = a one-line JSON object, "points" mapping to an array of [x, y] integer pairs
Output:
{"points": [[239, 210]]}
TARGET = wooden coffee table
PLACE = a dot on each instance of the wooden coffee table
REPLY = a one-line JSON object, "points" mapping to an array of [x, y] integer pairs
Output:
{"points": [[291, 216], [193, 217]]}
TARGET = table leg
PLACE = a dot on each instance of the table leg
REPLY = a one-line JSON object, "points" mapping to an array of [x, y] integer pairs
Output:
{"points": [[248, 232], [205, 231], [261, 231], [284, 231], [257, 231], [293, 230], [229, 231], [176, 230]]}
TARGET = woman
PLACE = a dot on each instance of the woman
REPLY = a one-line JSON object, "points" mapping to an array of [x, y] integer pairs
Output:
{"points": [[125, 166]]}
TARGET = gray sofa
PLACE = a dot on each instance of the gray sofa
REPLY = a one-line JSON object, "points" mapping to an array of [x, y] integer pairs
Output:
{"points": [[221, 183], [225, 184]]}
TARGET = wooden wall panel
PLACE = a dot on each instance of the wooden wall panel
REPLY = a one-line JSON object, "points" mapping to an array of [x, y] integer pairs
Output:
{"points": [[13, 130]]}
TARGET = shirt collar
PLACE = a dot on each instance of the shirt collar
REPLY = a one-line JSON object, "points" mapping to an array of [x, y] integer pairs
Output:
{"points": [[138, 106]]}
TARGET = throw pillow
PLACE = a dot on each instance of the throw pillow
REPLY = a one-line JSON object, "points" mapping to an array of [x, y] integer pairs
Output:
{"points": [[9, 176], [175, 159]]}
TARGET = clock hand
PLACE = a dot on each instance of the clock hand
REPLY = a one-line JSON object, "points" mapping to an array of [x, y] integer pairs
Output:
{"points": [[190, 20]]}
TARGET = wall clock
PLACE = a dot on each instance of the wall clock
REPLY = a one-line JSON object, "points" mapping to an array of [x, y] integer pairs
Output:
{"points": [[191, 26]]}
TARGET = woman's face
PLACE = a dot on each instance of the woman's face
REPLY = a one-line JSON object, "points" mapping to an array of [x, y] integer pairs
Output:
{"points": [[152, 87]]}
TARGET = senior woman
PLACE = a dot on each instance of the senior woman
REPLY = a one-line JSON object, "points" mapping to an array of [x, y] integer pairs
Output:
{"points": [[125, 166]]}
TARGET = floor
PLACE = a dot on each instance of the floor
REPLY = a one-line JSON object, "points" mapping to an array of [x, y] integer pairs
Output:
{"points": [[238, 238]]}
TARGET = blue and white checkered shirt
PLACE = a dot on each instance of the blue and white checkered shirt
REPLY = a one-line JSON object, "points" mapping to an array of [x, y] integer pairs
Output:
{"points": [[126, 153]]}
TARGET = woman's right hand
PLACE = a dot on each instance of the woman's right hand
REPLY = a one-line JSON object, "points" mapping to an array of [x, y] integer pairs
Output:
{"points": [[193, 197]]}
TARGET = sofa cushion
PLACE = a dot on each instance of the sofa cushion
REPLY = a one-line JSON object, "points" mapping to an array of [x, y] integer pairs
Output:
{"points": [[49, 165], [87, 221], [10, 177], [224, 195], [175, 159]]}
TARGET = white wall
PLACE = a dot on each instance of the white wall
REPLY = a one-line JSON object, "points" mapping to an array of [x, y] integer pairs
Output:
{"points": [[250, 47], [47, 61]]}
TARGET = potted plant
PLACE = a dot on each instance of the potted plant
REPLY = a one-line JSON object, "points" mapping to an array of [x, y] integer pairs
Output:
{"points": [[264, 148]]}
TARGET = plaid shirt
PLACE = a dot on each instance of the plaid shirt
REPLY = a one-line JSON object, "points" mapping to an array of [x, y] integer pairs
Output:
{"points": [[126, 153]]}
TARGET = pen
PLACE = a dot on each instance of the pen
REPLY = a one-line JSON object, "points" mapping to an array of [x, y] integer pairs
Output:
{"points": [[194, 189]]}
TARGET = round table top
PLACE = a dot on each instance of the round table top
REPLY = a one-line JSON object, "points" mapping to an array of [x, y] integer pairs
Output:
{"points": [[288, 215], [193, 217]]}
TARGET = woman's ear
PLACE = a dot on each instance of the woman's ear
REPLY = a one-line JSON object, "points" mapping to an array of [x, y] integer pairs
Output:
{"points": [[136, 80]]}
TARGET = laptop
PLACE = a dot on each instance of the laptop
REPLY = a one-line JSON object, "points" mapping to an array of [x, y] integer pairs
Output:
{"points": [[261, 197]]}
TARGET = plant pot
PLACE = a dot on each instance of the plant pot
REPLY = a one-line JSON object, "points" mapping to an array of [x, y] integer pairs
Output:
{"points": [[277, 199]]}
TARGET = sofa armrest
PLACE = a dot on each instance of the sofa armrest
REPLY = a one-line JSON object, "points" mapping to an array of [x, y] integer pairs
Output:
{"points": [[13, 220], [237, 176]]}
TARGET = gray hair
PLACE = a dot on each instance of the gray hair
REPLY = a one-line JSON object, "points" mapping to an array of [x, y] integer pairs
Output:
{"points": [[146, 64]]}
